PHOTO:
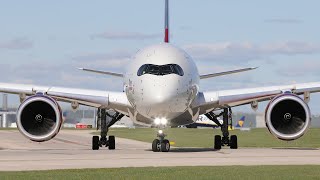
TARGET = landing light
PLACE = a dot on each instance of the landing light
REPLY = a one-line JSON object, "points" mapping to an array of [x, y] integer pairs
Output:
{"points": [[160, 132], [164, 121], [157, 121]]}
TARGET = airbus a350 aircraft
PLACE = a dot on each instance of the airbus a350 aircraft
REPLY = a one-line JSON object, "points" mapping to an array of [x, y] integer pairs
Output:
{"points": [[161, 86]]}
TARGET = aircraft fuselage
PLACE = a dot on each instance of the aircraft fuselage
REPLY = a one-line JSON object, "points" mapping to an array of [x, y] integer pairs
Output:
{"points": [[161, 81]]}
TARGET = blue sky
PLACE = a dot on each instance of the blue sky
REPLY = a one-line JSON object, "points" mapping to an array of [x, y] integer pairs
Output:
{"points": [[43, 42]]}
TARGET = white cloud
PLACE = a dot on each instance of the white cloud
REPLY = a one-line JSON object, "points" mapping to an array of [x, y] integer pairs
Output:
{"points": [[290, 48], [111, 61], [228, 52], [60, 74], [66, 74], [17, 44], [303, 68], [126, 35]]}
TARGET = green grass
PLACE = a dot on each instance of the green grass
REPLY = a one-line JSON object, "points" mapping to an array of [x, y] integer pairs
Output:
{"points": [[8, 129], [204, 137], [219, 172]]}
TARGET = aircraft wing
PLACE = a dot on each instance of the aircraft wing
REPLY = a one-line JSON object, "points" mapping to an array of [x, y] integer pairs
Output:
{"points": [[102, 72], [110, 100], [226, 73], [207, 101]]}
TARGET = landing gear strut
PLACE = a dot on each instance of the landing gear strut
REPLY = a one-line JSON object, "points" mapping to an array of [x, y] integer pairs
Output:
{"points": [[225, 140], [161, 144], [102, 115]]}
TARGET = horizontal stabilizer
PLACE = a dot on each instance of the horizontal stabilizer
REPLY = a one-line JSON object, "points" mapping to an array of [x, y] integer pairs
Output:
{"points": [[226, 73], [102, 72]]}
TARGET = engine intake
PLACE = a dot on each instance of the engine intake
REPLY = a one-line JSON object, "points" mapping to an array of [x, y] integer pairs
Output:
{"points": [[288, 117], [39, 118]]}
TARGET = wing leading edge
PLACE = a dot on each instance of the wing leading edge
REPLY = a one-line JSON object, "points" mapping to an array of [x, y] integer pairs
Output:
{"points": [[108, 99], [226, 73], [102, 72], [207, 101]]}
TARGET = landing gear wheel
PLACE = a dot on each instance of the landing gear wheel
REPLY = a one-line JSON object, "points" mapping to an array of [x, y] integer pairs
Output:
{"points": [[233, 142], [165, 146], [156, 145], [112, 143], [95, 143], [104, 124], [217, 142]]}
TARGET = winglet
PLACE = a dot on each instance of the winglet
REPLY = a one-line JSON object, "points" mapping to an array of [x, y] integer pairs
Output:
{"points": [[102, 72]]}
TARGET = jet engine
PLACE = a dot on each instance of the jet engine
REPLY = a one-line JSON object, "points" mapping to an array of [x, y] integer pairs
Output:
{"points": [[288, 117], [39, 118]]}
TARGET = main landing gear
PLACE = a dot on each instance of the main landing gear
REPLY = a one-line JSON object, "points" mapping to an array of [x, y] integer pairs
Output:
{"points": [[101, 141], [225, 140]]}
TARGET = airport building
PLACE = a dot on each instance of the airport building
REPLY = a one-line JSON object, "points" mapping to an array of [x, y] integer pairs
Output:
{"points": [[7, 115]]}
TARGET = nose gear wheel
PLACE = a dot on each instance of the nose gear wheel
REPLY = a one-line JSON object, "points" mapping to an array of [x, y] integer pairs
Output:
{"points": [[161, 144]]}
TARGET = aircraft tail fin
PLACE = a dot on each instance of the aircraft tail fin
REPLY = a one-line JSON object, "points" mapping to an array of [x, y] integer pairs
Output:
{"points": [[241, 121], [166, 22]]}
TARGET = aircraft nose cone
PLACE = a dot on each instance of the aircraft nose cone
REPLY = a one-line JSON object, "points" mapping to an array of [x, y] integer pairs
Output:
{"points": [[163, 97], [159, 99]]}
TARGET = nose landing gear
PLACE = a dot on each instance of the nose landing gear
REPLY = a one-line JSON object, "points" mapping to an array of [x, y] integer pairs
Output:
{"points": [[161, 144]]}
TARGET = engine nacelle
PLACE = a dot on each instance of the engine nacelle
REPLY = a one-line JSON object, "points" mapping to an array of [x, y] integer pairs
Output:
{"points": [[288, 117], [39, 118]]}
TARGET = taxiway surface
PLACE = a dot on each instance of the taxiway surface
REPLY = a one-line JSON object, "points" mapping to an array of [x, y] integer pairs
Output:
{"points": [[71, 149]]}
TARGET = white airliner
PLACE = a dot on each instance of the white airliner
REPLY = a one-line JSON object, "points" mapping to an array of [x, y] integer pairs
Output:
{"points": [[204, 121], [161, 86]]}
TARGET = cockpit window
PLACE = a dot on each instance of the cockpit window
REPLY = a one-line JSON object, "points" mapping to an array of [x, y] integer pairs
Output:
{"points": [[160, 70]]}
